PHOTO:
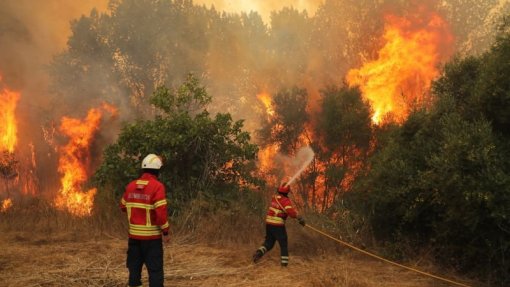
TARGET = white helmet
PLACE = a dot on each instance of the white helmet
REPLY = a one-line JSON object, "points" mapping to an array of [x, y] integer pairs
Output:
{"points": [[152, 161]]}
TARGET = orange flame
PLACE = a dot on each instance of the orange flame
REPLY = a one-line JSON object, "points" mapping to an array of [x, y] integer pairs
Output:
{"points": [[6, 204], [266, 155], [30, 181], [8, 129], [74, 163], [400, 78], [265, 98]]}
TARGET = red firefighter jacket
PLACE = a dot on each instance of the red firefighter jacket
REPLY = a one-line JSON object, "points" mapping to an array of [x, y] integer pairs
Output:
{"points": [[280, 208], [144, 201]]}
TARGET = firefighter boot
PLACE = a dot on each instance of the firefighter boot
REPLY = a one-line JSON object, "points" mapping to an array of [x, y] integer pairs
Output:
{"points": [[258, 254], [284, 261], [256, 257]]}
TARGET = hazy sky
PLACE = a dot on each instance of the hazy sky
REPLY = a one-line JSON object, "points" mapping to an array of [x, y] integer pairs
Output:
{"points": [[264, 7], [32, 32]]}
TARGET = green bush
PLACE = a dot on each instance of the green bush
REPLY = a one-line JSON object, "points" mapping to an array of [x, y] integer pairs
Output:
{"points": [[202, 155]]}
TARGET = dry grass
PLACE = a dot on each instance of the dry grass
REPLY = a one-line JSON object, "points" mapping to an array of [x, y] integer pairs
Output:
{"points": [[70, 260], [66, 261], [51, 249]]}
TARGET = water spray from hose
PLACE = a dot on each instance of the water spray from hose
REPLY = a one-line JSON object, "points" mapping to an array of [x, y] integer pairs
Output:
{"points": [[304, 156]]}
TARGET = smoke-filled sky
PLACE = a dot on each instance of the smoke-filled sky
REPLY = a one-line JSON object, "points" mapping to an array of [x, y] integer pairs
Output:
{"points": [[263, 7], [32, 31]]}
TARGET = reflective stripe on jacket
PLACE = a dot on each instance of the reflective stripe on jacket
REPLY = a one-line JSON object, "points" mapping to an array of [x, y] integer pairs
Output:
{"points": [[144, 201], [276, 215]]}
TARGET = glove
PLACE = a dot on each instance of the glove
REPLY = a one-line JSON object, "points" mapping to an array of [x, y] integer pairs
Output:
{"points": [[166, 238], [301, 221]]}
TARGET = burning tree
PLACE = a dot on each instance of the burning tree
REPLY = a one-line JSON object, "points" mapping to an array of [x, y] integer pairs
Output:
{"points": [[283, 133], [8, 140], [344, 132], [339, 134], [75, 162], [286, 121]]}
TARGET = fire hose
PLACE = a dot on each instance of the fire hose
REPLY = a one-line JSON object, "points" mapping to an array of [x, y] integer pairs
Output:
{"points": [[383, 259]]}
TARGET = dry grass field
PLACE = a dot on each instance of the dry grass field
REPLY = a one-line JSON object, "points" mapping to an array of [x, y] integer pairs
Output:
{"points": [[50, 249], [69, 260]]}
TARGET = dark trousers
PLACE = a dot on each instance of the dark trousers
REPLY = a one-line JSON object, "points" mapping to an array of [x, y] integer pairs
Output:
{"points": [[276, 233], [150, 253]]}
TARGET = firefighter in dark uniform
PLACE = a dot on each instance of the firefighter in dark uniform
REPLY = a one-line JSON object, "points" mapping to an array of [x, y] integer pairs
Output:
{"points": [[281, 207], [144, 201]]}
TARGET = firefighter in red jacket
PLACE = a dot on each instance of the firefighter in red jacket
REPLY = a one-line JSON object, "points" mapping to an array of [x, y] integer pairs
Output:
{"points": [[144, 201], [281, 207]]}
